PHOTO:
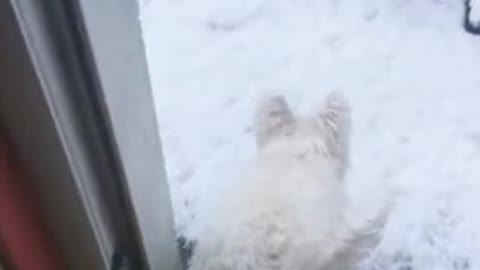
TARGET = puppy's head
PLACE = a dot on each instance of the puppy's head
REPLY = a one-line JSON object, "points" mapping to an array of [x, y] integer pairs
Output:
{"points": [[328, 130]]}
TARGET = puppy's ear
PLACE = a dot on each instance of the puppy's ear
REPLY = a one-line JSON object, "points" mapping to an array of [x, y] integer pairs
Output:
{"points": [[273, 117], [335, 121]]}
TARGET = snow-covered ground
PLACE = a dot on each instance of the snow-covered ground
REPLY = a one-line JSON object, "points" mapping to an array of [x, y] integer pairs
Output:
{"points": [[410, 71]]}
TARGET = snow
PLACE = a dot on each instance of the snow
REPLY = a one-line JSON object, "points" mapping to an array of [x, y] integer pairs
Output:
{"points": [[408, 68]]}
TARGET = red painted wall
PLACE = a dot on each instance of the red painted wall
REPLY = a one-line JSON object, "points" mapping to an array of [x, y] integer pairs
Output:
{"points": [[22, 234]]}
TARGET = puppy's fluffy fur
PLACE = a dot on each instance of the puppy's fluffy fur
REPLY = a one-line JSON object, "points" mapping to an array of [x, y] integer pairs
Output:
{"points": [[291, 210]]}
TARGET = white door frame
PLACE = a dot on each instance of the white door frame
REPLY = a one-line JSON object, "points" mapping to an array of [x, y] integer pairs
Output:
{"points": [[76, 102]]}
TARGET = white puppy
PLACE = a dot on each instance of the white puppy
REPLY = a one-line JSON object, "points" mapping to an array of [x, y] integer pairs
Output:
{"points": [[291, 211]]}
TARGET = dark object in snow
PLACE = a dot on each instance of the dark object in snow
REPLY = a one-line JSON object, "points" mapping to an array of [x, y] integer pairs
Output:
{"points": [[467, 24], [186, 250], [461, 264]]}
